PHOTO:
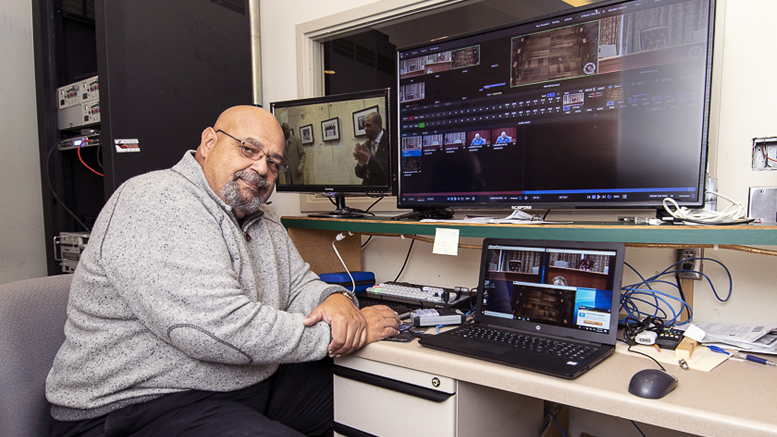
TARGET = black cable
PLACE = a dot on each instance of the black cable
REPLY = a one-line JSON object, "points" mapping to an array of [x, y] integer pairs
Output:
{"points": [[635, 426], [546, 215], [367, 241], [632, 329], [373, 204], [412, 241], [54, 193], [99, 149]]}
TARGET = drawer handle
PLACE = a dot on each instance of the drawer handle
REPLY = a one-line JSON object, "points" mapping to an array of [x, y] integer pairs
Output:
{"points": [[391, 384]]}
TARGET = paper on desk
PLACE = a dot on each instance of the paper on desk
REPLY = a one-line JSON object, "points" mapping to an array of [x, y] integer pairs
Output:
{"points": [[489, 221], [702, 359], [753, 338], [517, 217]]}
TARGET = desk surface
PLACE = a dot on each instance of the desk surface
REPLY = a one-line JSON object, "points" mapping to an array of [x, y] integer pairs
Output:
{"points": [[734, 399]]}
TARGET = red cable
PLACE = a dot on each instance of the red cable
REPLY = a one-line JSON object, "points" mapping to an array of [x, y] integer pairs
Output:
{"points": [[765, 155], [82, 159]]}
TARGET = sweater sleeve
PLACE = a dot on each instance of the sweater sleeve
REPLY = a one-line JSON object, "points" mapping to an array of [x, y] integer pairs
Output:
{"points": [[165, 252]]}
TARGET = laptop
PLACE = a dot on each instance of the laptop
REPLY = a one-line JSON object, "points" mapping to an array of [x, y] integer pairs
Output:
{"points": [[546, 306]]}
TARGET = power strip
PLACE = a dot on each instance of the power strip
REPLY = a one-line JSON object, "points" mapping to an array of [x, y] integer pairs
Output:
{"points": [[669, 338], [432, 317]]}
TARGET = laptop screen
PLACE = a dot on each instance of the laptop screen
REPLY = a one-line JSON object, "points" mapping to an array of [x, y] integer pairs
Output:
{"points": [[569, 289]]}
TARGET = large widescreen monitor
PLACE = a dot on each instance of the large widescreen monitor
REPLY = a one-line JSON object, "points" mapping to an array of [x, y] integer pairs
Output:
{"points": [[602, 107], [338, 145]]}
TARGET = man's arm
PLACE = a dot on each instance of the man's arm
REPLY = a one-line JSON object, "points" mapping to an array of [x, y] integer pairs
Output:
{"points": [[362, 155], [173, 268], [376, 165]]}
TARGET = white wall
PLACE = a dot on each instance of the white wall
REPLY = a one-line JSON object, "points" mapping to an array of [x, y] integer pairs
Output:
{"points": [[745, 102], [22, 245]]}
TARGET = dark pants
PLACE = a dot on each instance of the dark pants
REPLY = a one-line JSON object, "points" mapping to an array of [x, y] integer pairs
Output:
{"points": [[296, 399]]}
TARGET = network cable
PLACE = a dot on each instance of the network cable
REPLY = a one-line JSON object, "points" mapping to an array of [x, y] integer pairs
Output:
{"points": [[642, 294], [54, 192]]}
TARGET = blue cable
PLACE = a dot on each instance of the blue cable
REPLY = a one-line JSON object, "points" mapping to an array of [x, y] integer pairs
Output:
{"points": [[634, 294], [557, 422]]}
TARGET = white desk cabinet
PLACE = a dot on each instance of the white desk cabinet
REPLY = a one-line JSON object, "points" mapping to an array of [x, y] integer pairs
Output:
{"points": [[373, 398]]}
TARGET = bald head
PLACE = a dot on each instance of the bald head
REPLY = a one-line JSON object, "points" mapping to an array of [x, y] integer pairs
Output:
{"points": [[222, 156], [247, 116]]}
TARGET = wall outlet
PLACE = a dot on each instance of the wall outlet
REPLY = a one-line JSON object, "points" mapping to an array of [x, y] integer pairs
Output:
{"points": [[690, 263], [765, 154]]}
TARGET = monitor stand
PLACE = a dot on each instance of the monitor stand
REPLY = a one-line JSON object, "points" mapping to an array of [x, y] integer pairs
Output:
{"points": [[431, 213], [341, 210]]}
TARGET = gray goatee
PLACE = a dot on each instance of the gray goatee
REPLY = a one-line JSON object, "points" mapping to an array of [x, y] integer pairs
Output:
{"points": [[235, 197]]}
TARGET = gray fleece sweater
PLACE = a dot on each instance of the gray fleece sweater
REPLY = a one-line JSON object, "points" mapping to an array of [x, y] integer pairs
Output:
{"points": [[171, 294]]}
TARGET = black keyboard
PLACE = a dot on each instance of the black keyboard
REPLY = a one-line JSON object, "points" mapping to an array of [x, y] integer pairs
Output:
{"points": [[401, 308], [529, 342]]}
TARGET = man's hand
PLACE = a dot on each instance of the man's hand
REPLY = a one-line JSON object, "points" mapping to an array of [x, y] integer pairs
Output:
{"points": [[382, 322], [349, 326], [362, 153]]}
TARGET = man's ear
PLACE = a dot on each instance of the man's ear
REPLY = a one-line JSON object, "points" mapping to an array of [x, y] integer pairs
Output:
{"points": [[207, 141]]}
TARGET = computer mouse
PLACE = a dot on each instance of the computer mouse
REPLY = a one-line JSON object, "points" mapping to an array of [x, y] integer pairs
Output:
{"points": [[652, 383]]}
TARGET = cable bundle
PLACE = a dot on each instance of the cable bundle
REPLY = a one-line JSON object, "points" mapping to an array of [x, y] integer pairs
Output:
{"points": [[734, 214], [643, 293]]}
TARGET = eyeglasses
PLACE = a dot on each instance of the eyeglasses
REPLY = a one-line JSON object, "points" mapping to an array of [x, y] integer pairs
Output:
{"points": [[255, 153]]}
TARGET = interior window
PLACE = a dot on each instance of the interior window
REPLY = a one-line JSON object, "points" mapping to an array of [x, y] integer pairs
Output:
{"points": [[366, 59]]}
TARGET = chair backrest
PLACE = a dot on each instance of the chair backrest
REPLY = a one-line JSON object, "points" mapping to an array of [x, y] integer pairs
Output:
{"points": [[32, 318]]}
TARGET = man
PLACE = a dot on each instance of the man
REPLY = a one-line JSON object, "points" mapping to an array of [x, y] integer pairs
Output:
{"points": [[478, 141], [503, 138], [372, 155], [190, 295], [295, 158]]}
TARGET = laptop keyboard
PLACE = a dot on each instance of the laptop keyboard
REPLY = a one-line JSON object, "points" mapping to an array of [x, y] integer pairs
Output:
{"points": [[572, 351]]}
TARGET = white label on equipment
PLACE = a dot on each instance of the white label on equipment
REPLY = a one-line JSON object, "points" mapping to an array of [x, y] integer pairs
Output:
{"points": [[127, 146]]}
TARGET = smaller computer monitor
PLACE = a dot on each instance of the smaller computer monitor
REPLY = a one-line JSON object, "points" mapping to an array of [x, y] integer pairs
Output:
{"points": [[339, 145]]}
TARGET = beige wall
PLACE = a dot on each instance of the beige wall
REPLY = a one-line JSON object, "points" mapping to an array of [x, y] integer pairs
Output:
{"points": [[742, 109], [22, 245]]}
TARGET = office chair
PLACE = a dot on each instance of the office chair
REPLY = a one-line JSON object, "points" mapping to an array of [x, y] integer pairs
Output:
{"points": [[32, 320]]}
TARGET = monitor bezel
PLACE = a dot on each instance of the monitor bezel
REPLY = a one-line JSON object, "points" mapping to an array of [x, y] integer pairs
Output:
{"points": [[656, 204], [332, 190]]}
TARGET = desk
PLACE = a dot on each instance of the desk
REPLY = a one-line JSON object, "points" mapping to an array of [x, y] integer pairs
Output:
{"points": [[735, 399], [732, 400]]}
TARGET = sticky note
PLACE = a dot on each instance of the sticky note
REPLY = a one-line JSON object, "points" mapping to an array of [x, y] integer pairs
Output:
{"points": [[446, 241]]}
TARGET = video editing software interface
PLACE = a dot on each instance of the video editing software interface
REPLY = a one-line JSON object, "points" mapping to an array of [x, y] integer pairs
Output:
{"points": [[561, 287], [605, 106]]}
